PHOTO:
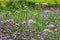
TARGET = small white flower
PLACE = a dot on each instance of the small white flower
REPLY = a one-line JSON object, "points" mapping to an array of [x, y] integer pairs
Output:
{"points": [[25, 7], [56, 30], [44, 4]]}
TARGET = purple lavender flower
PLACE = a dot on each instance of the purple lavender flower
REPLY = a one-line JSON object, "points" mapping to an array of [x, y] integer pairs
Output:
{"points": [[23, 38], [46, 31], [51, 26], [42, 38], [32, 39], [10, 21], [56, 11], [14, 35], [45, 14], [26, 31], [6, 35], [0, 35], [31, 21], [18, 34], [7, 30], [4, 31], [24, 23], [38, 33], [47, 11], [4, 38]]}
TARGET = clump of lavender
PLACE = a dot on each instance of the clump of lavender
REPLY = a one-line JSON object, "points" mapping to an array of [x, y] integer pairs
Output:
{"points": [[0, 35], [56, 11], [45, 14], [30, 22], [7, 30], [38, 34], [11, 21], [47, 31], [4, 38]]}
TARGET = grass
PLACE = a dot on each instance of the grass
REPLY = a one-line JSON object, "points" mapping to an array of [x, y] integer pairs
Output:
{"points": [[19, 15]]}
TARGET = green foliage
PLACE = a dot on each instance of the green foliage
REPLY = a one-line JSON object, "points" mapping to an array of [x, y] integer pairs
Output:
{"points": [[5, 3], [2, 3], [50, 2], [58, 2]]}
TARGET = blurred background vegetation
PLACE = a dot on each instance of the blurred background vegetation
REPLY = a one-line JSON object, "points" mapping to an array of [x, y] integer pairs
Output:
{"points": [[21, 3]]}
